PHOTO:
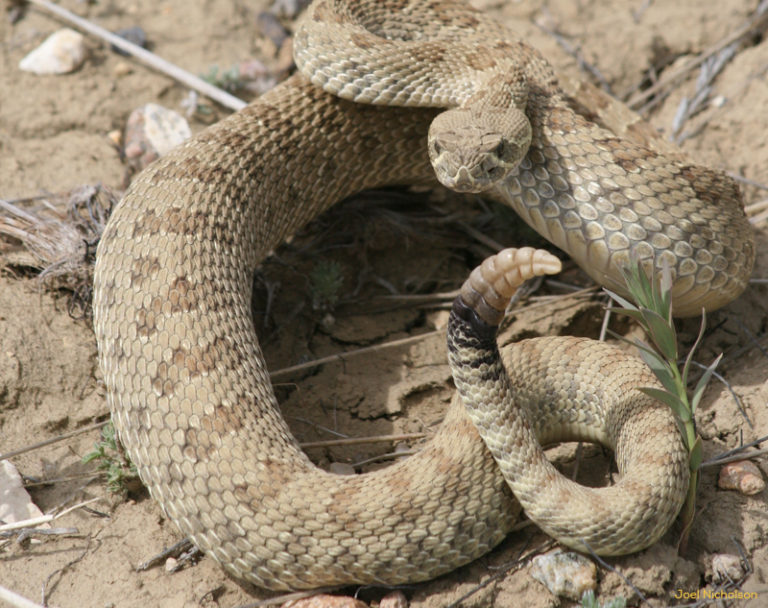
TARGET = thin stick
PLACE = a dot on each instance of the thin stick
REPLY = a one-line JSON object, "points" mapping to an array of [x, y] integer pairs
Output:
{"points": [[419, 298], [359, 351], [368, 349], [143, 55], [756, 23], [735, 451], [747, 181], [47, 482], [380, 457], [756, 219], [755, 207], [16, 600], [492, 244], [604, 326], [747, 455], [36, 521], [56, 439], [25, 533]]}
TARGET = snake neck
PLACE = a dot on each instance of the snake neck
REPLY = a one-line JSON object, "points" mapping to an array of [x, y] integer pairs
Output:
{"points": [[607, 201]]}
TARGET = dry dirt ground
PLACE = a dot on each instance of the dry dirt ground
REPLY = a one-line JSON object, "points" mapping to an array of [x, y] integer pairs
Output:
{"points": [[53, 139]]}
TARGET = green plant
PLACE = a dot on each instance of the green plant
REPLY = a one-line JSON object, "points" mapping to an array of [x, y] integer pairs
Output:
{"points": [[589, 600], [229, 80], [326, 280], [120, 471], [653, 312]]}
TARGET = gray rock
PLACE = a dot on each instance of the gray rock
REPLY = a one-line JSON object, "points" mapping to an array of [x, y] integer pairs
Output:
{"points": [[566, 575]]}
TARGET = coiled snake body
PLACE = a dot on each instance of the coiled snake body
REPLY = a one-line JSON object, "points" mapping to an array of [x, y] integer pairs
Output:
{"points": [[186, 381]]}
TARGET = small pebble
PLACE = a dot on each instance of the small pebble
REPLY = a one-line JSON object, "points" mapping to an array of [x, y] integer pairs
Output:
{"points": [[328, 322], [62, 52], [122, 69], [566, 575], [323, 600], [726, 567], [341, 468], [743, 476], [132, 34], [152, 131], [170, 564], [719, 101], [396, 599], [116, 137]]}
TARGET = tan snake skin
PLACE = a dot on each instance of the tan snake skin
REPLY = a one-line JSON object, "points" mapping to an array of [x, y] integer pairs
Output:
{"points": [[188, 388]]}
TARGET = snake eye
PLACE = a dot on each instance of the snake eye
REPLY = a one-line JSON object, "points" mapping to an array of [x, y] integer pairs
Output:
{"points": [[499, 150], [437, 148]]}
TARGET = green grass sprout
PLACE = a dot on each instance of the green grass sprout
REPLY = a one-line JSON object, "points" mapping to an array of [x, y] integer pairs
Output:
{"points": [[326, 280], [653, 312], [589, 600]]}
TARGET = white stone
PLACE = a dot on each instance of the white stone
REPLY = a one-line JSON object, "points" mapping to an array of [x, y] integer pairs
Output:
{"points": [[164, 128], [15, 503], [62, 52], [151, 132]]}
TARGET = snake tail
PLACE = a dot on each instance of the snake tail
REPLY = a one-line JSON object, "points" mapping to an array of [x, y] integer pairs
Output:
{"points": [[565, 389]]}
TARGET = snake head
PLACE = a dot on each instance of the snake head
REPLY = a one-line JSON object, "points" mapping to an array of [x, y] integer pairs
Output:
{"points": [[472, 150]]}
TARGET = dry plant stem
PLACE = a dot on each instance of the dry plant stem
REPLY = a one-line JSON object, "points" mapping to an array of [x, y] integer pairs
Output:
{"points": [[56, 439], [16, 600], [755, 207], [150, 59], [740, 453], [747, 455], [36, 521], [359, 351]]}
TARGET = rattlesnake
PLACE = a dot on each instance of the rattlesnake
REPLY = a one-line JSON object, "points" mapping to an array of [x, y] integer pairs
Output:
{"points": [[188, 388]]}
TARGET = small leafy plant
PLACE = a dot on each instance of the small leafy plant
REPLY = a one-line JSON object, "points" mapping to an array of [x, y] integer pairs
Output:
{"points": [[589, 600], [326, 280], [229, 80], [653, 312], [122, 475]]}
